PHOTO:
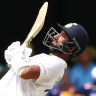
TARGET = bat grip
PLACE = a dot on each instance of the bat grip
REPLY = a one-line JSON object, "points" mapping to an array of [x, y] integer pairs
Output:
{"points": [[23, 46]]}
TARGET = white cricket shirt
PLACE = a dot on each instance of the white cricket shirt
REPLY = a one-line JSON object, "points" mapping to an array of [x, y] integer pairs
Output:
{"points": [[51, 70]]}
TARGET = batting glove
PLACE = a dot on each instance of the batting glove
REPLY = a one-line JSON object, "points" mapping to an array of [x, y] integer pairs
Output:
{"points": [[14, 49]]}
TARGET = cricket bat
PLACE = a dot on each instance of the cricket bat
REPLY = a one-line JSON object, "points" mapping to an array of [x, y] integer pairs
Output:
{"points": [[37, 26]]}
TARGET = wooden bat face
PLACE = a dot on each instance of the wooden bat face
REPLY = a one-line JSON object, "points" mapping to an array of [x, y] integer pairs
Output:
{"points": [[38, 23]]}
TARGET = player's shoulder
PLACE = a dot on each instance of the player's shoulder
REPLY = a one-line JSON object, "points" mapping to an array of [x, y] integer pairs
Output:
{"points": [[39, 55], [59, 61]]}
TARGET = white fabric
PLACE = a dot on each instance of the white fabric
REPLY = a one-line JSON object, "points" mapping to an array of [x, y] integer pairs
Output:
{"points": [[11, 51], [15, 48], [51, 70], [18, 63]]}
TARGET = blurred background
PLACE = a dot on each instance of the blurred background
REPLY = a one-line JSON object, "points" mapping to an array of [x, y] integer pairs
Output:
{"points": [[18, 16]]}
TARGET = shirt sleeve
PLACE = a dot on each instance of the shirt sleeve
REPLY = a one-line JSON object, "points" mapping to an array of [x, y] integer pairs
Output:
{"points": [[51, 70], [18, 64]]}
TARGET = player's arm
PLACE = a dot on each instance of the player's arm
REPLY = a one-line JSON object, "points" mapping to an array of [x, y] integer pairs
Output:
{"points": [[15, 58], [31, 72]]}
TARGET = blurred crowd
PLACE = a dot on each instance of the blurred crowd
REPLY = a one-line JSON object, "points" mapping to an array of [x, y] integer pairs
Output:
{"points": [[79, 78], [3, 68]]}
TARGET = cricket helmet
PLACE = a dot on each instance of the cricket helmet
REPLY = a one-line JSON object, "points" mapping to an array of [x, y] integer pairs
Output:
{"points": [[78, 38]]}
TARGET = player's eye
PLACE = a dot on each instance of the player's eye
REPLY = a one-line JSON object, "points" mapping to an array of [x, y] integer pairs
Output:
{"points": [[63, 35]]}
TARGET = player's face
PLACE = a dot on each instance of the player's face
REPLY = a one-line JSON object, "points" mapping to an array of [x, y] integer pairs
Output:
{"points": [[60, 38]]}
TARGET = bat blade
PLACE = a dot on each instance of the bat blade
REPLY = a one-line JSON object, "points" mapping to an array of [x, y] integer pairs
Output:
{"points": [[39, 22]]}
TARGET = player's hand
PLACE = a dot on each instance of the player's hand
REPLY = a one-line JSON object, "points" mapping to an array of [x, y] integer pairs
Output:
{"points": [[15, 48], [11, 51], [27, 52]]}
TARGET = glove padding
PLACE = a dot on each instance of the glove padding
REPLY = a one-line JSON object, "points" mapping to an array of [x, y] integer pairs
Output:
{"points": [[19, 63], [14, 49]]}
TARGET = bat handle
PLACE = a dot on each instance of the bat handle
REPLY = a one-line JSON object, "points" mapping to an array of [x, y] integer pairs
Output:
{"points": [[23, 46]]}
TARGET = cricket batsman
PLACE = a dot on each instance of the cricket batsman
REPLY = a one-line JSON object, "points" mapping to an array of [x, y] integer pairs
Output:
{"points": [[36, 75]]}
